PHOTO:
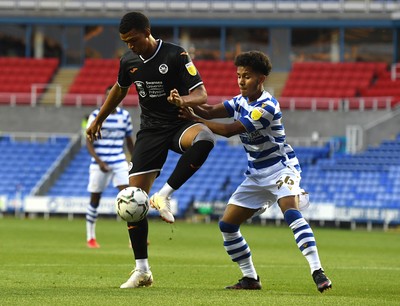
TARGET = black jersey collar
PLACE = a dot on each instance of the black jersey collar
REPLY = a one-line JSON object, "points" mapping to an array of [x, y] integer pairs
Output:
{"points": [[155, 53]]}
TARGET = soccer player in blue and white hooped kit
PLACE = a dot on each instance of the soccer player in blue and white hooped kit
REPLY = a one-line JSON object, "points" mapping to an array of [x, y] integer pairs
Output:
{"points": [[108, 162], [273, 173]]}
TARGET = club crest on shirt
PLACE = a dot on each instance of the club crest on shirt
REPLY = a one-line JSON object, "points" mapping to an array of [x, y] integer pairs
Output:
{"points": [[257, 113], [191, 68], [163, 68]]}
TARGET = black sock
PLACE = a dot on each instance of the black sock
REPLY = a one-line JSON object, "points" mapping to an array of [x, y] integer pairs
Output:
{"points": [[138, 233], [190, 162]]}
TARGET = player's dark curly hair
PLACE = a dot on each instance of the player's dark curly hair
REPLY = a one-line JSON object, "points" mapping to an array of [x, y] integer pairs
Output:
{"points": [[256, 60], [133, 20]]}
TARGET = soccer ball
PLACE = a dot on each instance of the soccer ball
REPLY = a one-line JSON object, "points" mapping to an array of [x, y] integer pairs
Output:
{"points": [[132, 204]]}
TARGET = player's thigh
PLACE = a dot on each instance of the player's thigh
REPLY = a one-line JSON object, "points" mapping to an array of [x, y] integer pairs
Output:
{"points": [[151, 151], [248, 198], [143, 180], [98, 180], [287, 183], [234, 214]]}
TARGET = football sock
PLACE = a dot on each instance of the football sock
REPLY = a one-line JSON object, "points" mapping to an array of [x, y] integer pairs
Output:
{"points": [[91, 217], [190, 162], [142, 264], [138, 233], [304, 237], [166, 190], [237, 248]]}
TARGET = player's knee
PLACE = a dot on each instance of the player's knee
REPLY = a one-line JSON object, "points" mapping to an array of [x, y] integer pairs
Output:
{"points": [[227, 228], [205, 135]]}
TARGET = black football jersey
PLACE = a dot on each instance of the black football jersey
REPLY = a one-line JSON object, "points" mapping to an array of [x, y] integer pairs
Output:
{"points": [[169, 68]]}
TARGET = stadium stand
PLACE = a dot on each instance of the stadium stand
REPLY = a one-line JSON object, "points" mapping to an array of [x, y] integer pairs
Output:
{"points": [[213, 176], [22, 77], [24, 163], [89, 85], [368, 179], [339, 85]]}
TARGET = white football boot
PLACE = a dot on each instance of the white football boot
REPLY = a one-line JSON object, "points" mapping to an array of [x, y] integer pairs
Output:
{"points": [[163, 205], [138, 279]]}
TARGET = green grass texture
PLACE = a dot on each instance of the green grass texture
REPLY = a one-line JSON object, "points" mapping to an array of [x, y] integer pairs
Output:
{"points": [[46, 262]]}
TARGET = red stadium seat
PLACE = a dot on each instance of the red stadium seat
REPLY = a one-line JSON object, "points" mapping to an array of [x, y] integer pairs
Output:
{"points": [[18, 75]]}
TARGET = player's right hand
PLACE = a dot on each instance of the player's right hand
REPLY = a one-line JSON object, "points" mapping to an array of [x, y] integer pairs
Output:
{"points": [[93, 132], [187, 113], [104, 167]]}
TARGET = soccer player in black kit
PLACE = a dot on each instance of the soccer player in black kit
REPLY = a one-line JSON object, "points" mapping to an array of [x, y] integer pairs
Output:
{"points": [[165, 80]]}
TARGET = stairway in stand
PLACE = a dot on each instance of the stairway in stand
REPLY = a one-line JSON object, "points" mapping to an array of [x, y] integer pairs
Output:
{"points": [[64, 78]]}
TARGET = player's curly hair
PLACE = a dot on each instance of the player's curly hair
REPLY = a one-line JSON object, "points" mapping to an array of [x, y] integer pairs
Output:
{"points": [[256, 60], [133, 20]]}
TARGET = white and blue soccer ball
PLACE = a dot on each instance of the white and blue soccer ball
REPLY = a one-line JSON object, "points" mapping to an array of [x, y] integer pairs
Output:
{"points": [[132, 204]]}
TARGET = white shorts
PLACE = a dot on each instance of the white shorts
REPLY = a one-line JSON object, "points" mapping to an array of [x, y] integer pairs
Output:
{"points": [[99, 180], [262, 191]]}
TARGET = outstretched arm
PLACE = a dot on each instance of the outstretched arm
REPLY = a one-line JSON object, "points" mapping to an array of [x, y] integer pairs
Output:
{"points": [[206, 111], [116, 95], [223, 129]]}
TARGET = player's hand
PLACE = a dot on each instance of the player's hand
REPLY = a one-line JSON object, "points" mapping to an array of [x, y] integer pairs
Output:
{"points": [[175, 98], [104, 167], [187, 113], [93, 132]]}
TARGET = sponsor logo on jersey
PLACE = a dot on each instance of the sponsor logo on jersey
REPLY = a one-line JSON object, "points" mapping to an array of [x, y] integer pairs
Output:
{"points": [[257, 113], [140, 89], [133, 70], [163, 68], [191, 68]]}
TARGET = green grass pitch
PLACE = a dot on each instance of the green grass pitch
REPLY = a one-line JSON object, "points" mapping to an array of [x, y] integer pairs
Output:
{"points": [[46, 262]]}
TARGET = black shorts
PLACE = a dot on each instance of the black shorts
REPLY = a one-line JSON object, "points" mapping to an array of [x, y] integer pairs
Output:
{"points": [[152, 145]]}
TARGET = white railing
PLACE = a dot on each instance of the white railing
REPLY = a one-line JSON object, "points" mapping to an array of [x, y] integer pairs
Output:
{"points": [[395, 71], [338, 104], [35, 93], [290, 103]]}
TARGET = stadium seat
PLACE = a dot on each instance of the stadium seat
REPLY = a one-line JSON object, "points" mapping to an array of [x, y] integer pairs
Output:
{"points": [[18, 76], [341, 80], [26, 162]]}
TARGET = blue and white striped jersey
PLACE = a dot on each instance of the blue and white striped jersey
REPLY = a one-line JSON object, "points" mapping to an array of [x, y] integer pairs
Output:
{"points": [[116, 127], [265, 139]]}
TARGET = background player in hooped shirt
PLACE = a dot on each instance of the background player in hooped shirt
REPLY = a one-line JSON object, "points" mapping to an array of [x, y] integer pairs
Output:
{"points": [[108, 162], [273, 173], [165, 80]]}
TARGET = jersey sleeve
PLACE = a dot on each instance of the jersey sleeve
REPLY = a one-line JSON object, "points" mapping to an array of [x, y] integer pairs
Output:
{"points": [[190, 77], [261, 117], [230, 107], [124, 79]]}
